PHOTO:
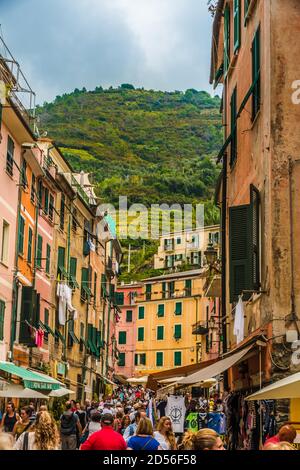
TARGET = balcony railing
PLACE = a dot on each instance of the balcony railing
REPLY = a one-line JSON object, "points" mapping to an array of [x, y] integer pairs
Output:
{"points": [[200, 328]]}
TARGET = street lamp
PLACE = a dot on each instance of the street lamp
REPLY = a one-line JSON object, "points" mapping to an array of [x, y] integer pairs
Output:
{"points": [[211, 255]]}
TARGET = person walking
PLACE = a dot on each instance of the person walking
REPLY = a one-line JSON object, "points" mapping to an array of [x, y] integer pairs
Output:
{"points": [[69, 425], [205, 439], [165, 435], [24, 423], [125, 423], [10, 418], [44, 435], [287, 433], [106, 438], [131, 429], [144, 439]]}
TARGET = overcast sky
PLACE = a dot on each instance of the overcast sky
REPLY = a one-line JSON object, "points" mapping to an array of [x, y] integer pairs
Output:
{"points": [[67, 44]]}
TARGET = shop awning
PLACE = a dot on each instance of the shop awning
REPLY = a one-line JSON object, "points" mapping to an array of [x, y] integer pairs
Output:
{"points": [[285, 388], [31, 379], [215, 369], [61, 392], [18, 391], [138, 380]]}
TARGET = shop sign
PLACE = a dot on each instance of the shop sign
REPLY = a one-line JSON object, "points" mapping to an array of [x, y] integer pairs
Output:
{"points": [[61, 368]]}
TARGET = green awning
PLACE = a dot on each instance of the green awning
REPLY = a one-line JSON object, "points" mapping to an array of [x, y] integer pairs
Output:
{"points": [[92, 347], [31, 379]]}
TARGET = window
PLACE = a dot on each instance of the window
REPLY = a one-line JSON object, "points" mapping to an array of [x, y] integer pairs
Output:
{"points": [[244, 242], [120, 298], [159, 359], [121, 362], [95, 289], [170, 261], [256, 74], [40, 193], [51, 207], [10, 156], [129, 316], [160, 333], [122, 337], [233, 111], [62, 212], [48, 258], [141, 334], [74, 220], [29, 247], [103, 286], [196, 257], [2, 311], [23, 174], [177, 332], [141, 313], [85, 290], [177, 358], [46, 321], [73, 273], [46, 201], [33, 190], [178, 241], [61, 262], [142, 359], [237, 24], [5, 242], [188, 288], [164, 290], [148, 291], [82, 338], [226, 38], [161, 310], [172, 288], [136, 359], [39, 253], [178, 257], [178, 308], [169, 244], [21, 235]]}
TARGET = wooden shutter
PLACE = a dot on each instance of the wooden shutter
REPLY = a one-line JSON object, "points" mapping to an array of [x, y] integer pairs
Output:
{"points": [[48, 259], [21, 235], [129, 315], [141, 334], [255, 215], [237, 24], [226, 39], [178, 308], [122, 337], [141, 313], [233, 110], [240, 234], [30, 312], [159, 359], [177, 332], [177, 358], [256, 73], [148, 291], [160, 332], [161, 310], [29, 251], [73, 267], [121, 362], [2, 312], [39, 252]]}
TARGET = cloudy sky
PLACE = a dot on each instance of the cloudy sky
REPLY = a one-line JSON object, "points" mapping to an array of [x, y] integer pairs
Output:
{"points": [[67, 44]]}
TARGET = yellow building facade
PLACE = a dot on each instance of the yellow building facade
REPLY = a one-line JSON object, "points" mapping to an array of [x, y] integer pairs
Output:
{"points": [[167, 310]]}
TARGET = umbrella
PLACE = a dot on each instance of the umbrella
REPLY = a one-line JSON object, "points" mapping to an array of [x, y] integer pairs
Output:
{"points": [[285, 388], [18, 391], [61, 392], [138, 380]]}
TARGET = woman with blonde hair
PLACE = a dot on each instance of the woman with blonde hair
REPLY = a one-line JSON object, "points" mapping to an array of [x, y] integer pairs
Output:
{"points": [[279, 446], [164, 434], [7, 441], [43, 436], [205, 439], [144, 439]]}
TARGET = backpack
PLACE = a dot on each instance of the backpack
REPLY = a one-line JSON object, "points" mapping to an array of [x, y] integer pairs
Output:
{"points": [[68, 424]]}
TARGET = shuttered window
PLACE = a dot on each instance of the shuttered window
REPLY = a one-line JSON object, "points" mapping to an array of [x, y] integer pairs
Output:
{"points": [[172, 288], [164, 290], [2, 312], [129, 316], [141, 313], [120, 298], [178, 308], [29, 250], [256, 74], [160, 333], [21, 235], [62, 212], [177, 358], [177, 332], [95, 289], [30, 315], [103, 286], [46, 200], [237, 24], [48, 258], [141, 332], [233, 111], [10, 156], [226, 39], [39, 252], [240, 234], [188, 288], [161, 310], [122, 337], [148, 291], [85, 290], [159, 359], [121, 362], [51, 208], [142, 359], [255, 214], [73, 272]]}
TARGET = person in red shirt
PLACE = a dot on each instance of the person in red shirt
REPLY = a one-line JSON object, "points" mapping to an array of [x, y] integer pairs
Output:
{"points": [[106, 438], [286, 434]]}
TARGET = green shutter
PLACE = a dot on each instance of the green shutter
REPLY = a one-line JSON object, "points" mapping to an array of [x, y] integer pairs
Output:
{"points": [[237, 24], [73, 272], [39, 253], [160, 332], [177, 332], [10, 156], [121, 362], [240, 231], [129, 316], [177, 358], [141, 313], [178, 308], [29, 251], [122, 337], [141, 334], [159, 359], [95, 288], [256, 73], [246, 8], [61, 262], [103, 286], [46, 200], [255, 240], [188, 287], [164, 290], [143, 359], [233, 107], [48, 258], [148, 291], [96, 348], [172, 288], [120, 298], [85, 290], [136, 359], [161, 310], [2, 312], [226, 39], [30, 310], [21, 235]]}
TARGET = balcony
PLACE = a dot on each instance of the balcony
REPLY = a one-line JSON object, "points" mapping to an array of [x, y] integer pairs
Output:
{"points": [[200, 328]]}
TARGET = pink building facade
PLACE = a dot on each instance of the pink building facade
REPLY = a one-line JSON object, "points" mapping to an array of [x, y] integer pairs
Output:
{"points": [[126, 328]]}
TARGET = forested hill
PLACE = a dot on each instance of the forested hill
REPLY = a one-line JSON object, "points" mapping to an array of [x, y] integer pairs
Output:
{"points": [[152, 146]]}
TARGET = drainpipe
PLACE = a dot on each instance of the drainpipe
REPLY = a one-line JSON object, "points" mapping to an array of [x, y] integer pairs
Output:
{"points": [[294, 317], [224, 253], [15, 285]]}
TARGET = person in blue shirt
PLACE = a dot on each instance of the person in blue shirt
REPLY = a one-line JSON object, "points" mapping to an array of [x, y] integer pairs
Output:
{"points": [[143, 440]]}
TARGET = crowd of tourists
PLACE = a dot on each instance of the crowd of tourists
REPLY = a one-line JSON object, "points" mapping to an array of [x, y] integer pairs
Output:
{"points": [[122, 421]]}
